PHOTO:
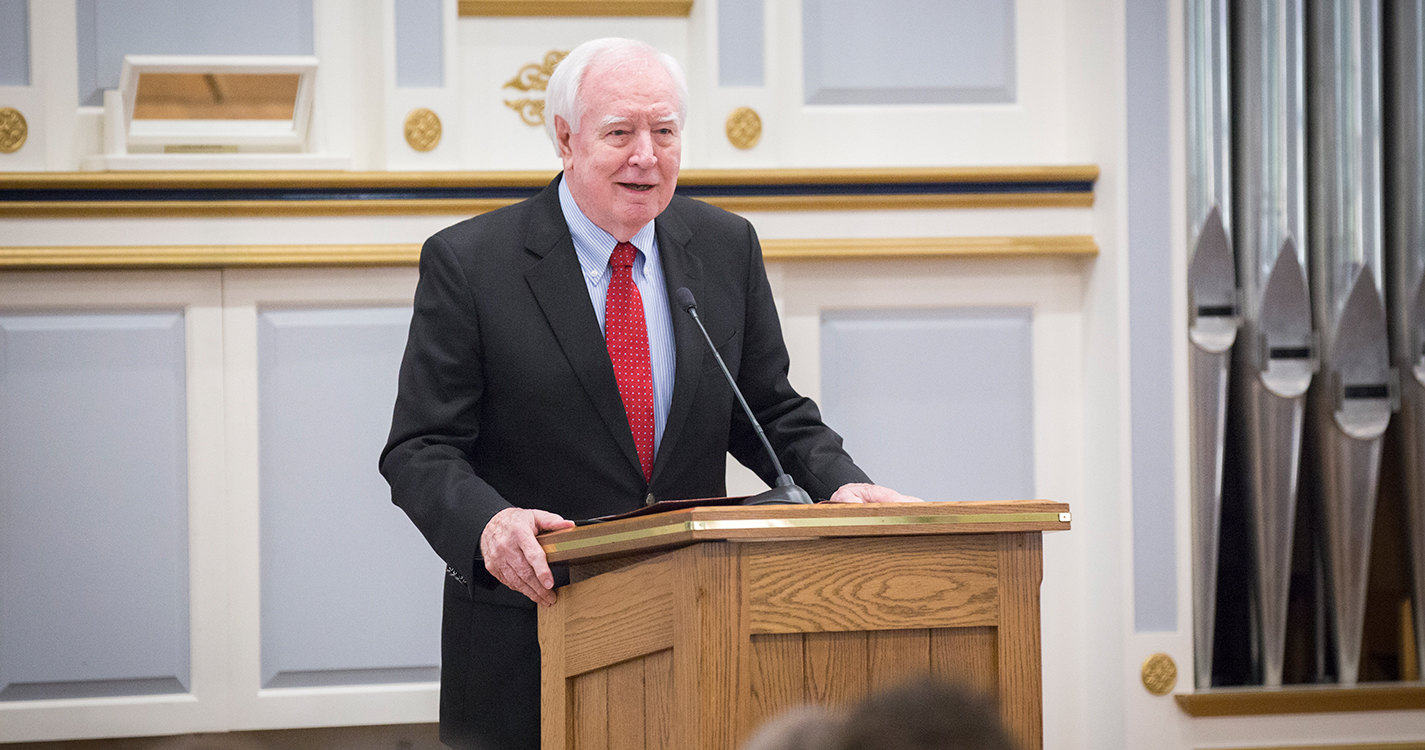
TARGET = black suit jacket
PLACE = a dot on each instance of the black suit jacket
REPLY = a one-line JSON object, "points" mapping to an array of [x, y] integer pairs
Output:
{"points": [[507, 395]]}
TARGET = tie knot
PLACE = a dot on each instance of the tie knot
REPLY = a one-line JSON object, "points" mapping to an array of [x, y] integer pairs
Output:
{"points": [[623, 256]]}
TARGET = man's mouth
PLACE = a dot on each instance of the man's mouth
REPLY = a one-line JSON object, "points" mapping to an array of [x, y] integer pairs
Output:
{"points": [[637, 186]]}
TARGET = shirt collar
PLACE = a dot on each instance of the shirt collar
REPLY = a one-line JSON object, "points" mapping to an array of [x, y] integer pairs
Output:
{"points": [[594, 246]]}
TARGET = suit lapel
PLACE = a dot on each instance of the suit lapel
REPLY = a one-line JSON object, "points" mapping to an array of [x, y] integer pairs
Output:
{"points": [[681, 268], [557, 282]]}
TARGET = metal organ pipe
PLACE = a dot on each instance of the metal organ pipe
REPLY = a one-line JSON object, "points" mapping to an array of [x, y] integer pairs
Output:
{"points": [[1273, 362], [1350, 400], [1212, 302], [1405, 258]]}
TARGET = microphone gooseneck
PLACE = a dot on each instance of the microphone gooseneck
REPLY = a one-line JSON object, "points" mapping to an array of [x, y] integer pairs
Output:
{"points": [[786, 491]]}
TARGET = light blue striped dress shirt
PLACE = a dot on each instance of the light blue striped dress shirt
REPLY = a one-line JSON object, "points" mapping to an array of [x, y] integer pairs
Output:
{"points": [[594, 246]]}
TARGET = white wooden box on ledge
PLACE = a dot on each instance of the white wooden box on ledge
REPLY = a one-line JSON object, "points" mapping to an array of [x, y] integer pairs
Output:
{"points": [[212, 112]]}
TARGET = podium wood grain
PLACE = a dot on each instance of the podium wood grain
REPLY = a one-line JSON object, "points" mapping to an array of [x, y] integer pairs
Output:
{"points": [[696, 646]]}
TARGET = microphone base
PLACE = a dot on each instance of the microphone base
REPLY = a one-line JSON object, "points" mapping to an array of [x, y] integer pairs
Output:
{"points": [[785, 495]]}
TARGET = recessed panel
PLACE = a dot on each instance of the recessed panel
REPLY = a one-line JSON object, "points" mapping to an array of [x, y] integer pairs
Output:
{"points": [[936, 403], [351, 592], [908, 51], [14, 43], [93, 505], [109, 29], [739, 43], [420, 44]]}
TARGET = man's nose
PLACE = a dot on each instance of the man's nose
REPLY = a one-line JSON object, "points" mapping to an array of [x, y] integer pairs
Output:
{"points": [[643, 155]]}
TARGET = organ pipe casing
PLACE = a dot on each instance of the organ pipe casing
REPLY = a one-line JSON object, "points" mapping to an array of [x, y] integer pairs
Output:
{"points": [[1212, 302], [1350, 400], [1273, 361], [1405, 263]]}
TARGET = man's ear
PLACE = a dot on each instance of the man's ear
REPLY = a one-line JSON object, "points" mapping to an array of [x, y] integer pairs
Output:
{"points": [[563, 134]]}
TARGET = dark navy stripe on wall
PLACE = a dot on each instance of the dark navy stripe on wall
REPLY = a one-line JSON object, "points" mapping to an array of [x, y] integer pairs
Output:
{"points": [[60, 195]]}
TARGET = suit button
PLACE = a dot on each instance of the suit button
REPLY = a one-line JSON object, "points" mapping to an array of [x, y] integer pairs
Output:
{"points": [[649, 500]]}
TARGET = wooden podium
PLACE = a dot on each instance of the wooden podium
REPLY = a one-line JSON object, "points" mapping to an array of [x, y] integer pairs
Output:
{"points": [[689, 629]]}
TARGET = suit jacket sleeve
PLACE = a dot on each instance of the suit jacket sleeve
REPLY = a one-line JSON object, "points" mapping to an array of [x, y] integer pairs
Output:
{"points": [[435, 421]]}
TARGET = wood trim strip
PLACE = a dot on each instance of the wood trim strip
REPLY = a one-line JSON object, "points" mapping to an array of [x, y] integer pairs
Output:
{"points": [[1334, 746], [206, 256], [92, 257], [1307, 699], [151, 194], [1075, 245], [547, 8]]}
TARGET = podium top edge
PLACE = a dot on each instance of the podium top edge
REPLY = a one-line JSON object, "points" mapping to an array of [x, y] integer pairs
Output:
{"points": [[711, 523]]}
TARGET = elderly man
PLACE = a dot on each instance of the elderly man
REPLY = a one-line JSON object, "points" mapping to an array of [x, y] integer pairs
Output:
{"points": [[546, 376]]}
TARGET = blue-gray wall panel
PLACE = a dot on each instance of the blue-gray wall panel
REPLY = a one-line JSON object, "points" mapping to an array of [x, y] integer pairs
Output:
{"points": [[908, 51], [937, 403], [109, 29], [93, 505], [14, 42], [420, 44], [739, 43], [351, 592], [1150, 319]]}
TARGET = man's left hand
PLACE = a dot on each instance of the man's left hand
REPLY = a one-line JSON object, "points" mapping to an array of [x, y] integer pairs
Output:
{"points": [[857, 492]]}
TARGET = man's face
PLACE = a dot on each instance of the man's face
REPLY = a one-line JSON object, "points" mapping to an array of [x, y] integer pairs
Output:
{"points": [[622, 165]]}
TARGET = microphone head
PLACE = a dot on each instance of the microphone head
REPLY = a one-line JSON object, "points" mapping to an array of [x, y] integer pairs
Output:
{"points": [[684, 298]]}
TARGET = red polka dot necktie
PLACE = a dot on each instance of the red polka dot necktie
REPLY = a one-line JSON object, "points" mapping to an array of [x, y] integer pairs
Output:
{"points": [[626, 335]]}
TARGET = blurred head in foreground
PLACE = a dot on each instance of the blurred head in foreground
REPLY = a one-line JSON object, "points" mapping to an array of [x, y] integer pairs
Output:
{"points": [[924, 715], [920, 715]]}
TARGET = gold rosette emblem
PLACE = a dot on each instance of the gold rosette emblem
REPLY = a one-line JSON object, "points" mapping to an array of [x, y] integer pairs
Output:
{"points": [[422, 129], [744, 128], [13, 130]]}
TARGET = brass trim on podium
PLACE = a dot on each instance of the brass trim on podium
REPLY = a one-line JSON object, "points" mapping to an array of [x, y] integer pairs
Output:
{"points": [[796, 523], [737, 522]]}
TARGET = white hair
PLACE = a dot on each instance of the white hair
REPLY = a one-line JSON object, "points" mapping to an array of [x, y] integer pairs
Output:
{"points": [[561, 97]]}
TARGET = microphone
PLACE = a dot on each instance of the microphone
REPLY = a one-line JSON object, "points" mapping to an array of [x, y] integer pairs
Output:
{"points": [[786, 492]]}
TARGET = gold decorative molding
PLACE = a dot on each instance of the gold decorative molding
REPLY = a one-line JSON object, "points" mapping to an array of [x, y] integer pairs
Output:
{"points": [[1159, 674], [505, 8], [1303, 699], [533, 77], [205, 256], [67, 194], [1336, 746], [744, 128], [531, 111], [1049, 246], [423, 129], [231, 256], [14, 131]]}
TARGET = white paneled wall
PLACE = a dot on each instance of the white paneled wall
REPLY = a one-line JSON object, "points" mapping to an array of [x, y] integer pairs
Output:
{"points": [[313, 601]]}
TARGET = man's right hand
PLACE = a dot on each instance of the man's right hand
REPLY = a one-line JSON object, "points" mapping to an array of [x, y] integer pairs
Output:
{"points": [[513, 556]]}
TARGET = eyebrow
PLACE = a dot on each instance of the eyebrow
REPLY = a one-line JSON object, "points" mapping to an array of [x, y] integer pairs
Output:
{"points": [[619, 120]]}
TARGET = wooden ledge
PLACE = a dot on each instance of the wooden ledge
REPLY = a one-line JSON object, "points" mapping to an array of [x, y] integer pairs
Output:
{"points": [[1303, 699]]}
